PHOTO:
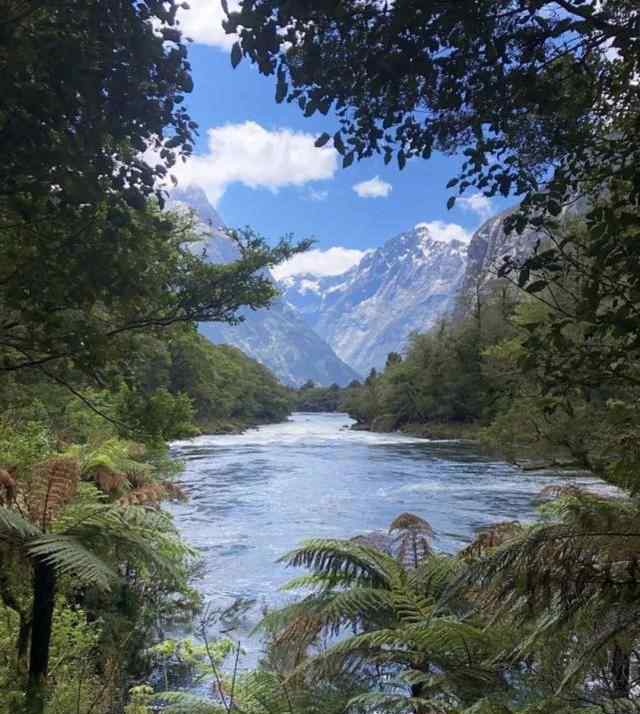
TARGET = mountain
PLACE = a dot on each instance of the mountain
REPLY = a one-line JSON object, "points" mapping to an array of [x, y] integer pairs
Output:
{"points": [[369, 311], [491, 243], [281, 340], [277, 337]]}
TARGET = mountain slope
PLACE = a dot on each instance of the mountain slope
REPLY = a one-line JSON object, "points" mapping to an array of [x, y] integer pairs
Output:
{"points": [[369, 311], [277, 337]]}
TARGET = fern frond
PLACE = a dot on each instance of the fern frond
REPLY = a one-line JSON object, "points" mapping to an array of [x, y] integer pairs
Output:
{"points": [[13, 526], [186, 703], [52, 486], [439, 639], [70, 557], [491, 537], [376, 702], [345, 559], [317, 581], [436, 574], [349, 606], [412, 538]]}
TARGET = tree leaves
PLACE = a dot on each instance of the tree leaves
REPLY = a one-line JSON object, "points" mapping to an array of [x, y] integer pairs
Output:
{"points": [[322, 140], [236, 54]]}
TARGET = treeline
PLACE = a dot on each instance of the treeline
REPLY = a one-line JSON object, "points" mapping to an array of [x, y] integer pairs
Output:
{"points": [[100, 361], [511, 374], [313, 398], [448, 375], [171, 385]]}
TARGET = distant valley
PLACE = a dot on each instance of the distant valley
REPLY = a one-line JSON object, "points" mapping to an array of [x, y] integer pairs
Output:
{"points": [[334, 329]]}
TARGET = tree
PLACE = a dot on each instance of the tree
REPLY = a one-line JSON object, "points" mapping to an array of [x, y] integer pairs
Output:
{"points": [[113, 283], [523, 87], [392, 359], [413, 651], [89, 86], [91, 89], [566, 584], [63, 527]]}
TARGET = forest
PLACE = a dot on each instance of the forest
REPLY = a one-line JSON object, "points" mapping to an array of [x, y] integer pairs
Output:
{"points": [[101, 364]]}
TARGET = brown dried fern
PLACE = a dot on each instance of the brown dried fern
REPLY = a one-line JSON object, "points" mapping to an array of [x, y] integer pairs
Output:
{"points": [[152, 494], [52, 485], [109, 481], [8, 486], [412, 539], [491, 537]]}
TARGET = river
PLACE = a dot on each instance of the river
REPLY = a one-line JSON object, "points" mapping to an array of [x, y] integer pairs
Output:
{"points": [[255, 496]]}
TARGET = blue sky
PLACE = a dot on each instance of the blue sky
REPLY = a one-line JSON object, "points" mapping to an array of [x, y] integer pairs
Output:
{"points": [[257, 163]]}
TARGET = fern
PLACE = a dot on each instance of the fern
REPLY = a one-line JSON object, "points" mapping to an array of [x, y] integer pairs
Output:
{"points": [[345, 560], [186, 703], [15, 527], [70, 557]]}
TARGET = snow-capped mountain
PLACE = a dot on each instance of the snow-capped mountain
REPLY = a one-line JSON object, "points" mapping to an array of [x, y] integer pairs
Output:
{"points": [[371, 310], [277, 337]]}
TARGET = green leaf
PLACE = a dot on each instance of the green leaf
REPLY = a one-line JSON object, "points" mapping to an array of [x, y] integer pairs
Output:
{"points": [[13, 524], [322, 140], [451, 202], [281, 91], [236, 54], [70, 557]]}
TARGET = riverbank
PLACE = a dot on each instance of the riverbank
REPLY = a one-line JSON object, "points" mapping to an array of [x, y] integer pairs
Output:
{"points": [[428, 430], [472, 433], [224, 427]]}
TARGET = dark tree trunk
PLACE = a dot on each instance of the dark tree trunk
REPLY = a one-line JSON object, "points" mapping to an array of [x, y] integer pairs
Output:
{"points": [[620, 673], [22, 646], [44, 591]]}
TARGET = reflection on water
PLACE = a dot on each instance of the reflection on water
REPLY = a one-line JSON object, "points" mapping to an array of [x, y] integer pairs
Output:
{"points": [[255, 496]]}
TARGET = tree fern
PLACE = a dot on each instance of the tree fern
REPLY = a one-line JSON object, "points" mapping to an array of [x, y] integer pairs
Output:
{"points": [[569, 585], [60, 526], [69, 556], [14, 527], [346, 560], [392, 606]]}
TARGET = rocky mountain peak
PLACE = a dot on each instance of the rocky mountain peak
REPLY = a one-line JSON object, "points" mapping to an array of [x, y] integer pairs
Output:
{"points": [[401, 287], [277, 337]]}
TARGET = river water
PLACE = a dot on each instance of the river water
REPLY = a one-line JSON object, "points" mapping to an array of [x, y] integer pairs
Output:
{"points": [[257, 495]]}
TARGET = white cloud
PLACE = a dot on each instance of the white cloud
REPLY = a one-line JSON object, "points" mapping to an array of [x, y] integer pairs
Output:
{"points": [[317, 195], [332, 261], [202, 22], [258, 158], [373, 188], [477, 203], [445, 232]]}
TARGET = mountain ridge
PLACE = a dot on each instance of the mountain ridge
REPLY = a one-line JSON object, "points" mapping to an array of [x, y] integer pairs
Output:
{"points": [[371, 309], [276, 336]]}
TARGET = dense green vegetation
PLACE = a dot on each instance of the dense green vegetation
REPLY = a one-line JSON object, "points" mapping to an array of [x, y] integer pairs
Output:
{"points": [[541, 98], [529, 387], [311, 398], [100, 362]]}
